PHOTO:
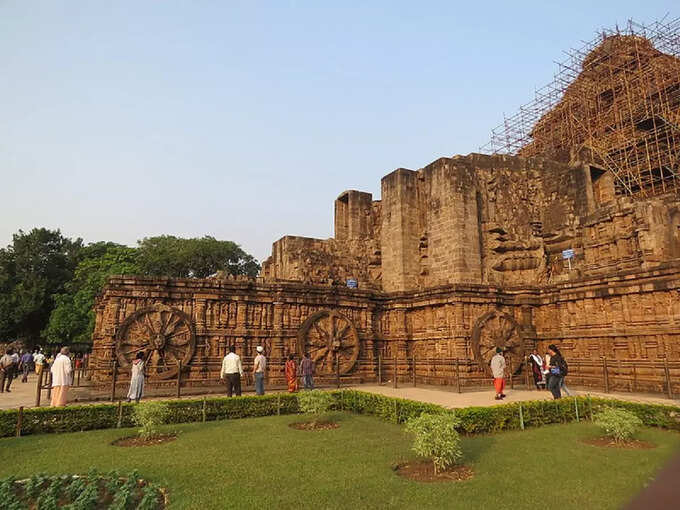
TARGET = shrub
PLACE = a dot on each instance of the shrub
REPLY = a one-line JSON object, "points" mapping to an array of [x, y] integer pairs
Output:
{"points": [[316, 403], [618, 424], [150, 416], [111, 490], [436, 437]]}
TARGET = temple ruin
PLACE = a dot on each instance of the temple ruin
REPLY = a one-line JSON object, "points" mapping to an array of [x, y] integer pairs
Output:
{"points": [[566, 232]]}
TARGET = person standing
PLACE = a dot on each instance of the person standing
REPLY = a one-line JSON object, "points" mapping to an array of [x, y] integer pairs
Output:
{"points": [[498, 372], [6, 370], [136, 378], [291, 374], [16, 359], [557, 371], [38, 360], [25, 365], [536, 368], [307, 370], [232, 370], [546, 370], [61, 378], [259, 368]]}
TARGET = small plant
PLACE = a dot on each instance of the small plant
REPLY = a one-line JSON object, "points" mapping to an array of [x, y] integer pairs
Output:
{"points": [[316, 403], [618, 424], [436, 438], [150, 416]]}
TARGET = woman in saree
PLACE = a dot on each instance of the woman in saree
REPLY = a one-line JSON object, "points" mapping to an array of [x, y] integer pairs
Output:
{"points": [[291, 374], [137, 379]]}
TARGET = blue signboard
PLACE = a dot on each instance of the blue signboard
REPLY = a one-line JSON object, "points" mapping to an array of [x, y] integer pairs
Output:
{"points": [[352, 283], [568, 254]]}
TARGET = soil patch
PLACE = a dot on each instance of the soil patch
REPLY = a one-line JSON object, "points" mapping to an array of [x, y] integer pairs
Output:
{"points": [[310, 425], [138, 441], [607, 442], [423, 471]]}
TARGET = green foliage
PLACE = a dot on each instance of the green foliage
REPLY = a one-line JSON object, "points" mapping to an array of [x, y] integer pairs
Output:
{"points": [[481, 420], [315, 402], [79, 493], [150, 416], [436, 438], [193, 258], [619, 424], [33, 268], [72, 320], [473, 420]]}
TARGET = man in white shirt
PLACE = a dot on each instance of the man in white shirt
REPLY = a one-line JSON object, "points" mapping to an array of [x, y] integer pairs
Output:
{"points": [[498, 371], [7, 367], [259, 367], [61, 378], [232, 370], [39, 360]]}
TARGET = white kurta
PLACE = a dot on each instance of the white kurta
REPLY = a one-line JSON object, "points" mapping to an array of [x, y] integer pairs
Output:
{"points": [[61, 371]]}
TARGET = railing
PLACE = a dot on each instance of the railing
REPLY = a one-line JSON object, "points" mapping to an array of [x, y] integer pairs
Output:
{"points": [[108, 381]]}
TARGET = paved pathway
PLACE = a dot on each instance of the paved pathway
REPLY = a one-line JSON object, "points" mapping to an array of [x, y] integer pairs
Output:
{"points": [[449, 397], [23, 394]]}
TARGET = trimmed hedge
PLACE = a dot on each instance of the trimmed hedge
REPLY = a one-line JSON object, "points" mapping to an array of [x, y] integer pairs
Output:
{"points": [[478, 420], [45, 420], [473, 420]]}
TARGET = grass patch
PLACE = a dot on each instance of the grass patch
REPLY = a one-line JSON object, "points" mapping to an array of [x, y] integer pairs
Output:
{"points": [[262, 462]]}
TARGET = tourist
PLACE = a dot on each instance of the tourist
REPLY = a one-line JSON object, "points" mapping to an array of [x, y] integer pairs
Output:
{"points": [[498, 371], [16, 359], [557, 371], [232, 370], [136, 378], [259, 367], [38, 360], [61, 378], [546, 369], [307, 370], [536, 368], [25, 365], [291, 374], [7, 367]]}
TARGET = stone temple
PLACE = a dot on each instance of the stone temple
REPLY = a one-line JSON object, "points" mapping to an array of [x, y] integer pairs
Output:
{"points": [[567, 231]]}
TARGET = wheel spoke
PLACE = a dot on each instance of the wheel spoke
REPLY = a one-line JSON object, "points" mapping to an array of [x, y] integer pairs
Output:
{"points": [[323, 334], [171, 326], [340, 335], [149, 325]]}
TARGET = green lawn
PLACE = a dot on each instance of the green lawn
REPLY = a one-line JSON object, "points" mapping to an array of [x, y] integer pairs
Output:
{"points": [[261, 462]]}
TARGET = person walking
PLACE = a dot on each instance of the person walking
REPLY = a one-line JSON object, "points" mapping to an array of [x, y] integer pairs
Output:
{"points": [[136, 378], [232, 370], [558, 369], [291, 374], [38, 360], [259, 368], [536, 368], [498, 372], [307, 370], [61, 378], [25, 365], [7, 367]]}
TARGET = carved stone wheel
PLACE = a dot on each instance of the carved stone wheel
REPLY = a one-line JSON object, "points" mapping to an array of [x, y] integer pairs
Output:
{"points": [[497, 329], [325, 335], [165, 336]]}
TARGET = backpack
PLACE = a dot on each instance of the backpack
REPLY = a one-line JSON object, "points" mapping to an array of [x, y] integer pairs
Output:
{"points": [[564, 368]]}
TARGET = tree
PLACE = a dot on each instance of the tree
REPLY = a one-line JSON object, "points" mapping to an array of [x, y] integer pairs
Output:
{"points": [[34, 268], [193, 258], [72, 320]]}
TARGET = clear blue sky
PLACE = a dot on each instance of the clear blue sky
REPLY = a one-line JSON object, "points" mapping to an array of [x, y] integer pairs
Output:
{"points": [[245, 120]]}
